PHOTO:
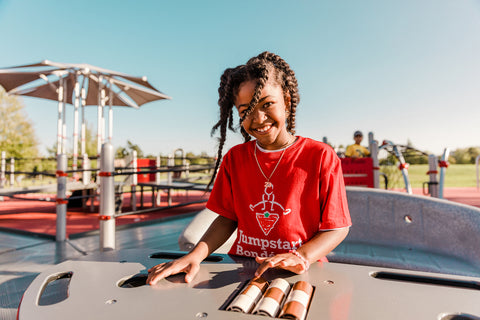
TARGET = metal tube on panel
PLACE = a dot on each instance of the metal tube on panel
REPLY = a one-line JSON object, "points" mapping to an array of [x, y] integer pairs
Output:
{"points": [[107, 198], [61, 201]]}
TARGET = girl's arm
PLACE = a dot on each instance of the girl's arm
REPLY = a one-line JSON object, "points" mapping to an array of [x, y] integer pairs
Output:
{"points": [[218, 232], [314, 249]]}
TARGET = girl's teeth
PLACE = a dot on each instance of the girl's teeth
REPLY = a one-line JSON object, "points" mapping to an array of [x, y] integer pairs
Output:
{"points": [[263, 129]]}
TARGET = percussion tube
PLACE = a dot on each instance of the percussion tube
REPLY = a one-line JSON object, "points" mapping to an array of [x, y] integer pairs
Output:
{"points": [[297, 302], [245, 301], [273, 298]]}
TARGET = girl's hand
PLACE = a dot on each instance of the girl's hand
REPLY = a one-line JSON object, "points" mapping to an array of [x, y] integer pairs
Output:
{"points": [[287, 261], [184, 264]]}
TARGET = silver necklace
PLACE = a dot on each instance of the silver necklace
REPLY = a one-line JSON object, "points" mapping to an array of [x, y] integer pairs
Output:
{"points": [[267, 182]]}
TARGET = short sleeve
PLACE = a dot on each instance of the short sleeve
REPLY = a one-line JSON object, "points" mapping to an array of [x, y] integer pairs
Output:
{"points": [[221, 198], [333, 202]]}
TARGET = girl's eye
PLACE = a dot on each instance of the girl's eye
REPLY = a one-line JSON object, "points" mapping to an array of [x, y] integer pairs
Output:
{"points": [[267, 104]]}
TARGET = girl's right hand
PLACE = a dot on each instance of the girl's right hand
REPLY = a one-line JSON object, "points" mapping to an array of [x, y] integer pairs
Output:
{"points": [[186, 264]]}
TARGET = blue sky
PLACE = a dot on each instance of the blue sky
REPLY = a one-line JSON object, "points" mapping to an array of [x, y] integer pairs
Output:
{"points": [[405, 70]]}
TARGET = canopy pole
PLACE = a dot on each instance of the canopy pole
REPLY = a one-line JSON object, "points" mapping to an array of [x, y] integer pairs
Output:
{"points": [[83, 129], [75, 124], [110, 113], [60, 118], [99, 116], [64, 125]]}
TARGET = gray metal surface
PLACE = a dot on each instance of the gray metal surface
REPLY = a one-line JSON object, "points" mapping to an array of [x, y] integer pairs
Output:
{"points": [[22, 258], [342, 291]]}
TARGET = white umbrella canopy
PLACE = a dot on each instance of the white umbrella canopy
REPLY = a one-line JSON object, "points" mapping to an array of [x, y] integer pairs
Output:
{"points": [[79, 84]]}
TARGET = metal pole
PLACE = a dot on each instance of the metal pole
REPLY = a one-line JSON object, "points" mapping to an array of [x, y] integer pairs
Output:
{"points": [[84, 130], [171, 163], [376, 164], [12, 171], [99, 117], [476, 165], [134, 181], [64, 124], [102, 94], [404, 168], [432, 173], [61, 201], [110, 113], [443, 168], [2, 170], [158, 199], [107, 198], [60, 118], [75, 127], [373, 146]]}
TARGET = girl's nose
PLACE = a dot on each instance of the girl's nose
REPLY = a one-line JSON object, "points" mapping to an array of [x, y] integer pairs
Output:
{"points": [[258, 115]]}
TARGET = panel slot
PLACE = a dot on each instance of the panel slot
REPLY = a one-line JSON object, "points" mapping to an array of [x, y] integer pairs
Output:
{"points": [[429, 280], [55, 289]]}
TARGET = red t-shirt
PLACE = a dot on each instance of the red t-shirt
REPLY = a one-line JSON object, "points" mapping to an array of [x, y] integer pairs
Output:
{"points": [[307, 196]]}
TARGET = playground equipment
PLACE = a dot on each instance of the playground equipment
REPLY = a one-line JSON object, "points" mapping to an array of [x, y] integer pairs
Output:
{"points": [[148, 170], [365, 172]]}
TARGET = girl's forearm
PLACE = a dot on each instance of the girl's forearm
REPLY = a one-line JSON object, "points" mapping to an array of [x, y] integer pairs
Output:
{"points": [[322, 244], [216, 235]]}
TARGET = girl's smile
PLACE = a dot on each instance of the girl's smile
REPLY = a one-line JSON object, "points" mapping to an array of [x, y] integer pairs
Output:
{"points": [[266, 122]]}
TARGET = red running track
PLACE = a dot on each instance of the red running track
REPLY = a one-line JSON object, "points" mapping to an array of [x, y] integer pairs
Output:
{"points": [[40, 216]]}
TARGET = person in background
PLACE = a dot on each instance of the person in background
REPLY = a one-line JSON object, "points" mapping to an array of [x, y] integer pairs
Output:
{"points": [[356, 150]]}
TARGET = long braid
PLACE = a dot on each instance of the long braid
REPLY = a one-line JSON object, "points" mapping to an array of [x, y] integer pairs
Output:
{"points": [[261, 69]]}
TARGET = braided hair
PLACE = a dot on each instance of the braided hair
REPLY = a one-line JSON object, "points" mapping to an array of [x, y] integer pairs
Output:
{"points": [[265, 67]]}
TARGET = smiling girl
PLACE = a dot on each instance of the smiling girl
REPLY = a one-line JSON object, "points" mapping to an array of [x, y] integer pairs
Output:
{"points": [[283, 193]]}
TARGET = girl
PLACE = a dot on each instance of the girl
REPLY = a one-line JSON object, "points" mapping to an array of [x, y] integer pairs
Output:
{"points": [[284, 194]]}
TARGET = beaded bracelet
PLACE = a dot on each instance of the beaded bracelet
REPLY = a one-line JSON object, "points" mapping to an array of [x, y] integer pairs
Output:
{"points": [[305, 261]]}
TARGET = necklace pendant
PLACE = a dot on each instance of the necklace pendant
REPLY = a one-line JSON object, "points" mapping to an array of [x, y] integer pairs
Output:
{"points": [[268, 184]]}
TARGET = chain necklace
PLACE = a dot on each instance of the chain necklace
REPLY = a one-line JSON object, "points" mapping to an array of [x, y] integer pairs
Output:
{"points": [[267, 182]]}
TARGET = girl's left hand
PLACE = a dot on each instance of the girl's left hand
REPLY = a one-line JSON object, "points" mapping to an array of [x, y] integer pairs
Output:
{"points": [[287, 261]]}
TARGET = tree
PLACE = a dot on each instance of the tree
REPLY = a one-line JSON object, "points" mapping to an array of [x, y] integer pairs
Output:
{"points": [[464, 155], [122, 152], [17, 135]]}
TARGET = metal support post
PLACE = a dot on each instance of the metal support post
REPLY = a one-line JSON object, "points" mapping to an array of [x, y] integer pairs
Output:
{"points": [[158, 199], [12, 171], [107, 198], [432, 173], [61, 201], [134, 181], [373, 146], [2, 170], [443, 164]]}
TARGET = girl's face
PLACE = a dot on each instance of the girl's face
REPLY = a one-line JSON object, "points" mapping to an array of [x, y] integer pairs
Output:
{"points": [[266, 123]]}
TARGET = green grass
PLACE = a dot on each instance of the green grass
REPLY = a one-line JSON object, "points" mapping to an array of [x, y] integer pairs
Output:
{"points": [[457, 175]]}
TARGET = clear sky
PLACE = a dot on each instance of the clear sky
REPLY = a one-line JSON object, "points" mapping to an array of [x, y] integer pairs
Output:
{"points": [[406, 70]]}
